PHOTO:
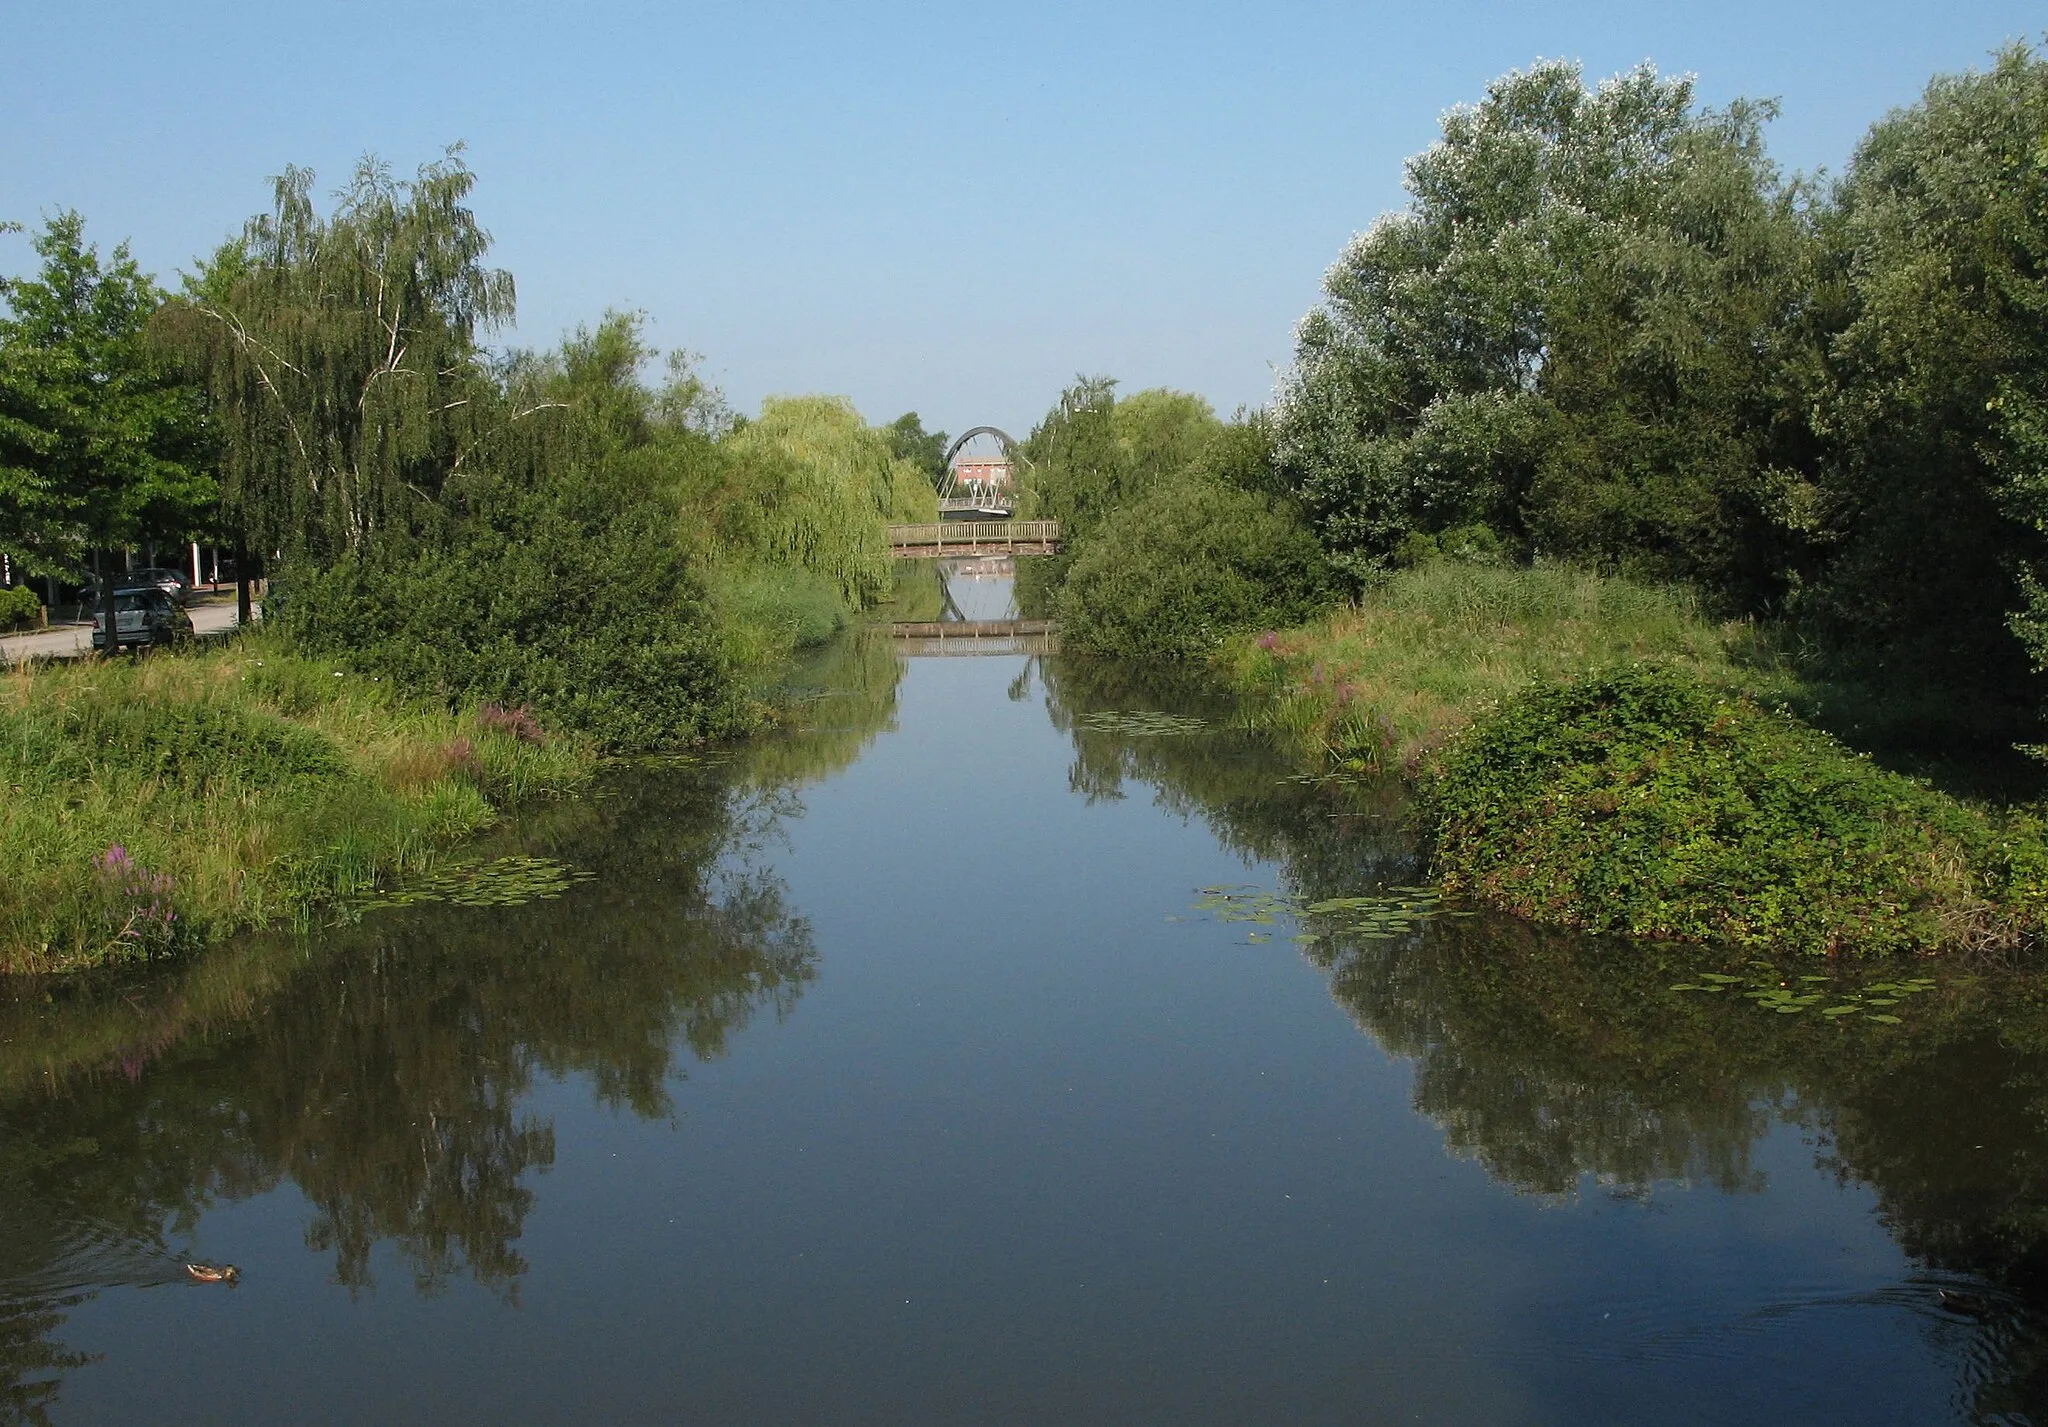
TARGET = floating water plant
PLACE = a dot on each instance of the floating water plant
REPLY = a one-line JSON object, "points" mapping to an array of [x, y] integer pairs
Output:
{"points": [[1773, 991], [1392, 913], [1143, 723], [1246, 902], [504, 882]]}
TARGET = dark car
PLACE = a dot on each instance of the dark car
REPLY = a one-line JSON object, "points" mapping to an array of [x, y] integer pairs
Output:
{"points": [[171, 582], [145, 616]]}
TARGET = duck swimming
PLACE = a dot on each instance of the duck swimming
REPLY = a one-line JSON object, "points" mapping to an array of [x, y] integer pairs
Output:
{"points": [[210, 1273]]}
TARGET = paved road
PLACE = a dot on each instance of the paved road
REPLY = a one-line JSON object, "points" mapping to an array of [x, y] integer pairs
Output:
{"points": [[68, 641]]}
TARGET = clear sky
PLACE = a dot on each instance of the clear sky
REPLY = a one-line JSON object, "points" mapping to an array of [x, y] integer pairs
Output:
{"points": [[948, 207]]}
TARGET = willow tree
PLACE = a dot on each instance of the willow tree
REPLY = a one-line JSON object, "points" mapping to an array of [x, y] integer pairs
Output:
{"points": [[810, 484], [340, 352]]}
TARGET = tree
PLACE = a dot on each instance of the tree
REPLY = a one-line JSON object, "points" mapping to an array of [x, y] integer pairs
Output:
{"points": [[1094, 452], [552, 570], [810, 485], [98, 436], [926, 450], [1586, 331], [1937, 419], [340, 353]]}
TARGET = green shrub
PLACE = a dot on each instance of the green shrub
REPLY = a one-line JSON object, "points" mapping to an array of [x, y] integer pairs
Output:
{"points": [[1189, 564], [569, 595], [1643, 801], [19, 607]]}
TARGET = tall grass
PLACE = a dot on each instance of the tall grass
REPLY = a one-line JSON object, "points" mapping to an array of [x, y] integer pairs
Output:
{"points": [[147, 805], [1383, 681], [767, 614]]}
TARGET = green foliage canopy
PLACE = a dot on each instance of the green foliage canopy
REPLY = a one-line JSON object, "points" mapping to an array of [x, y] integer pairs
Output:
{"points": [[1576, 334], [551, 573], [99, 439], [1186, 565], [809, 484], [339, 352], [1937, 491], [926, 450]]}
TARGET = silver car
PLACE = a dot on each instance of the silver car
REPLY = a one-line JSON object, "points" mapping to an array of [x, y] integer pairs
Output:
{"points": [[144, 616]]}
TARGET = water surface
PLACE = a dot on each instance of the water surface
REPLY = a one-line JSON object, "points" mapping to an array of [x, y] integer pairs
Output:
{"points": [[892, 1071]]}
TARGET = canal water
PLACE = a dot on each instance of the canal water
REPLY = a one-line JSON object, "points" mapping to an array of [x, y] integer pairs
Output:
{"points": [[971, 1053]]}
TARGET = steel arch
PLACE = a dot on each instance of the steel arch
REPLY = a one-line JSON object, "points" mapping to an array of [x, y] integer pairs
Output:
{"points": [[946, 481]]}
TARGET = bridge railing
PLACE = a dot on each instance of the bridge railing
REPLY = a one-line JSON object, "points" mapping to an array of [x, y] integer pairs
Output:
{"points": [[968, 535]]}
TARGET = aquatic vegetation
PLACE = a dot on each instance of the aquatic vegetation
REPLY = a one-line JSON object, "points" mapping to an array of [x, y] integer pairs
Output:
{"points": [[501, 882], [1394, 912], [1142, 723], [1771, 990], [1244, 902]]}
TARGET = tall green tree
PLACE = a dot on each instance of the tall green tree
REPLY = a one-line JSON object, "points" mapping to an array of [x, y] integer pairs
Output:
{"points": [[1937, 416], [1589, 330], [926, 450], [99, 436], [1095, 452], [340, 352]]}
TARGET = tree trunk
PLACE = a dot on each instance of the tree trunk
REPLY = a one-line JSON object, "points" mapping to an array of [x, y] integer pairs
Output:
{"points": [[242, 613], [103, 568]]}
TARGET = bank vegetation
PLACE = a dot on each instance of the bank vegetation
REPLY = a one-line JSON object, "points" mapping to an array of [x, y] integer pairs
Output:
{"points": [[1616, 403]]}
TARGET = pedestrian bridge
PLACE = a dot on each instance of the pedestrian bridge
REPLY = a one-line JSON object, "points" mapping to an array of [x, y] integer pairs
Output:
{"points": [[946, 538], [975, 636]]}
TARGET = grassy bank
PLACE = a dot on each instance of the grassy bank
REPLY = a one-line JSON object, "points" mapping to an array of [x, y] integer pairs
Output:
{"points": [[1381, 683], [153, 804], [1597, 754]]}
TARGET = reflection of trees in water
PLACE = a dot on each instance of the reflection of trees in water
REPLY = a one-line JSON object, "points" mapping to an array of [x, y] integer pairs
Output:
{"points": [[840, 697], [1229, 779], [1556, 1059], [383, 1074]]}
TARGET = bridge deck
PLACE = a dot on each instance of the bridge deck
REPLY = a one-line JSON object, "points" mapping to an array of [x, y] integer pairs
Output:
{"points": [[970, 628], [974, 537]]}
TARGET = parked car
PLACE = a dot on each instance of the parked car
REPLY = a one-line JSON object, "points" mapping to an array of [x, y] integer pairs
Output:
{"points": [[169, 581], [145, 616]]}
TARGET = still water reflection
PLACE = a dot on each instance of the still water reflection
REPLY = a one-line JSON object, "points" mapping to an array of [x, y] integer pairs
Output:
{"points": [[890, 1072]]}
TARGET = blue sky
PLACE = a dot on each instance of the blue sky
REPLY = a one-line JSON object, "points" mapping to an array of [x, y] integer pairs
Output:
{"points": [[947, 207]]}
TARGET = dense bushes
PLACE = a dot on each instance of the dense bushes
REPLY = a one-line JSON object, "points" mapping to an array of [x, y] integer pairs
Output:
{"points": [[570, 595], [19, 607], [1176, 533], [619, 560], [1935, 487], [1608, 330], [1643, 801], [1190, 563]]}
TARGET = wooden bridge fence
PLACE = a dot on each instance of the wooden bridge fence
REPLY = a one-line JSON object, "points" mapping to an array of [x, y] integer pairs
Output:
{"points": [[974, 537]]}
